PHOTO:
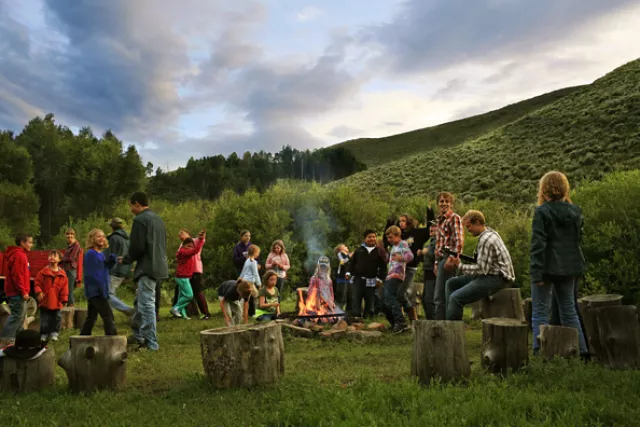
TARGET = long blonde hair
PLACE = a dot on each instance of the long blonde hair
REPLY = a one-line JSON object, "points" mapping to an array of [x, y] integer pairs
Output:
{"points": [[91, 239], [278, 243], [555, 186]]}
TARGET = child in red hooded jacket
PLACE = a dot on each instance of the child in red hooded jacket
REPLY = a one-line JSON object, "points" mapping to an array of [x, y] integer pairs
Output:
{"points": [[52, 292], [184, 272], [17, 285]]}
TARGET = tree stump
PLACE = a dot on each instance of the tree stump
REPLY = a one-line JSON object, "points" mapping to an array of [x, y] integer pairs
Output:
{"points": [[505, 303], [505, 344], [243, 356], [79, 317], [476, 310], [439, 351], [527, 306], [301, 293], [26, 323], [66, 315], [558, 341], [31, 307], [19, 375], [589, 304], [95, 363], [619, 336]]}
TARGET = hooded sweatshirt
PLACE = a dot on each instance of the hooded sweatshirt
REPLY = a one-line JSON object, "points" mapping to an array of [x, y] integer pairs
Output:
{"points": [[55, 287], [17, 283], [555, 241], [119, 246], [187, 259]]}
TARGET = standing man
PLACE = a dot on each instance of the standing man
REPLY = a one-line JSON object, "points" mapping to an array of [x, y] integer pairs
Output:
{"points": [[492, 271], [449, 244], [70, 261], [148, 248], [119, 246], [17, 285]]}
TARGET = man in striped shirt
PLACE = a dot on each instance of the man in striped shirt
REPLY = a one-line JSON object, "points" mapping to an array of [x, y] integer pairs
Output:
{"points": [[492, 271]]}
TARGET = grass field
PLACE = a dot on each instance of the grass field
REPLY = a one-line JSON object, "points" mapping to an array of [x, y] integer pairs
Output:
{"points": [[332, 384]]}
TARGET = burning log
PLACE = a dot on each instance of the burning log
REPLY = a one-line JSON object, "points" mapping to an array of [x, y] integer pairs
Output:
{"points": [[19, 375], [505, 344], [95, 363], [66, 318], [439, 351], [619, 336], [505, 303], [558, 341], [589, 304], [243, 356]]}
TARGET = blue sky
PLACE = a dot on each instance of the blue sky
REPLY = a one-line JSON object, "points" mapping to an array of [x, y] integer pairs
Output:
{"points": [[203, 77]]}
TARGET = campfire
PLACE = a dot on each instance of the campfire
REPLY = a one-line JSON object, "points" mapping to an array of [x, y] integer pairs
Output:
{"points": [[317, 308]]}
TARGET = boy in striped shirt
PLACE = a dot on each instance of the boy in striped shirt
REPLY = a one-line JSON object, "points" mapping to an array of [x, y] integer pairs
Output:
{"points": [[399, 256]]}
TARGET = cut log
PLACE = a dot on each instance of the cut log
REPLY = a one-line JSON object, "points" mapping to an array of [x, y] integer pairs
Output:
{"points": [[439, 351], [297, 331], [476, 310], [619, 336], [31, 307], [505, 344], [19, 375], [505, 303], [243, 356], [527, 306], [363, 336], [589, 304], [95, 363], [375, 326], [301, 294], [558, 341], [28, 321], [79, 317], [335, 335], [66, 315]]}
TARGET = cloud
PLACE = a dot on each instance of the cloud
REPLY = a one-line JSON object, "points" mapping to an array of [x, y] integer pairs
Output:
{"points": [[309, 13]]}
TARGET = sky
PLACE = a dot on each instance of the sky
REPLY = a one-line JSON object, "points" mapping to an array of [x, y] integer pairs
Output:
{"points": [[193, 78]]}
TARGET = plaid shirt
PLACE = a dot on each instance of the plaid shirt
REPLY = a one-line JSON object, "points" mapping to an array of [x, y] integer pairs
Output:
{"points": [[492, 257], [71, 256], [450, 233]]}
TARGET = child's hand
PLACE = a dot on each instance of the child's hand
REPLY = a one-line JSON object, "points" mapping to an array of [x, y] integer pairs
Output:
{"points": [[40, 296], [398, 258], [120, 259]]}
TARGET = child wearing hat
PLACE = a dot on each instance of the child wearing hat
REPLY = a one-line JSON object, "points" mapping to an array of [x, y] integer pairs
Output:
{"points": [[52, 293]]}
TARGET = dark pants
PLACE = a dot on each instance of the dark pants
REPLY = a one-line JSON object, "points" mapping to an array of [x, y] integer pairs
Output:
{"points": [[341, 292], [266, 317], [393, 309], [360, 291], [198, 296], [101, 306], [71, 277], [49, 321], [428, 295], [159, 297]]}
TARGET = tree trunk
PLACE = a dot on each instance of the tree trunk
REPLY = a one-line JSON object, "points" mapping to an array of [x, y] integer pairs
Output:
{"points": [[19, 375], [528, 311], [505, 303], [619, 336], [558, 341], [439, 351], [243, 356], [589, 304], [79, 317], [476, 310], [95, 363], [66, 315], [505, 344]]}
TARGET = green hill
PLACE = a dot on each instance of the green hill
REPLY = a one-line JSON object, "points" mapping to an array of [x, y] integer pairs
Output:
{"points": [[586, 134], [376, 151]]}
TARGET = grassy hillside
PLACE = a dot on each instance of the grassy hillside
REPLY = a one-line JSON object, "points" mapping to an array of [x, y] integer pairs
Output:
{"points": [[586, 134], [376, 151]]}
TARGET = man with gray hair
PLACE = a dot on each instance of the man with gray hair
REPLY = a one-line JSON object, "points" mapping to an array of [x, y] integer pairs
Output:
{"points": [[119, 246]]}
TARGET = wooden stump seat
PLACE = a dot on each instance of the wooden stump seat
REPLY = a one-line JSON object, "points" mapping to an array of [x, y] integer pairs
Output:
{"points": [[505, 344], [17, 375]]}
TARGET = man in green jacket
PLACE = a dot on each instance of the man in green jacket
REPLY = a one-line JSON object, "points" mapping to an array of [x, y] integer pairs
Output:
{"points": [[119, 246], [148, 248]]}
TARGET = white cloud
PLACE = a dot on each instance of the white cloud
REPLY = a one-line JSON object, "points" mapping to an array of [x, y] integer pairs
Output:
{"points": [[309, 13]]}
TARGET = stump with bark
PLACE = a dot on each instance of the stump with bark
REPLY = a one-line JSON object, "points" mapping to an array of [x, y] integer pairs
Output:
{"points": [[79, 317], [619, 336], [476, 310], [527, 306], [504, 303], [439, 351], [589, 304], [66, 318], [505, 344], [558, 341], [19, 375], [243, 356], [95, 363]]}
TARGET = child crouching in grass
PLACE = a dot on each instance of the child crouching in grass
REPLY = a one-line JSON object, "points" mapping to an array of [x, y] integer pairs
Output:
{"points": [[96, 283], [186, 266], [234, 298], [268, 305], [52, 293]]}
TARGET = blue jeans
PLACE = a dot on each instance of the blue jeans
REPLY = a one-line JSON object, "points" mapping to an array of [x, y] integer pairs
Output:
{"points": [[427, 298], [49, 321], [117, 303], [72, 275], [439, 298], [14, 323], [144, 317], [394, 308], [563, 289], [464, 290], [407, 292]]}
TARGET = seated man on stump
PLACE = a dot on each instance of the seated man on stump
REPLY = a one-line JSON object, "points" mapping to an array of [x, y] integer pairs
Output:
{"points": [[491, 272]]}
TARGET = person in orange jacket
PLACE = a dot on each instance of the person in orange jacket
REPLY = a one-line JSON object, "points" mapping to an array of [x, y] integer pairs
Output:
{"points": [[52, 292], [17, 285]]}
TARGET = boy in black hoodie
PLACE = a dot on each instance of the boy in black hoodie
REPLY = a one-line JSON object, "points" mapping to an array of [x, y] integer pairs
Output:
{"points": [[368, 268]]}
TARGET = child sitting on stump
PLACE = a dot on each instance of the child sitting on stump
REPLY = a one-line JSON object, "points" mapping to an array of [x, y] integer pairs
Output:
{"points": [[186, 266], [268, 296], [52, 292]]}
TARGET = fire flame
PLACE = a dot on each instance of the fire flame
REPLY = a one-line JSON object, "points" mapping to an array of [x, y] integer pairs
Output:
{"points": [[318, 302]]}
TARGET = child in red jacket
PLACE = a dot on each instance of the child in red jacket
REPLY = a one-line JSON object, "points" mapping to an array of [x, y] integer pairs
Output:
{"points": [[184, 272], [52, 292], [17, 285]]}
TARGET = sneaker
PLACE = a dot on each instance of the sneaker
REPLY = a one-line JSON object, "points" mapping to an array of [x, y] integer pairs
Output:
{"points": [[185, 317], [44, 337], [398, 329], [54, 336], [206, 317], [175, 312], [132, 340]]}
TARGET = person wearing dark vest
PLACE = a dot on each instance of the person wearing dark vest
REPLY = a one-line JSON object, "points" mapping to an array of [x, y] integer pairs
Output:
{"points": [[119, 246], [367, 271]]}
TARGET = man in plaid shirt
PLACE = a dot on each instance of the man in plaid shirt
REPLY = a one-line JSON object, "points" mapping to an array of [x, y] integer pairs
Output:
{"points": [[492, 271], [450, 235]]}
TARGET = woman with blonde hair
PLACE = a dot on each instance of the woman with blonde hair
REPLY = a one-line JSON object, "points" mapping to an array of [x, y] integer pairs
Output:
{"points": [[556, 260], [278, 261]]}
